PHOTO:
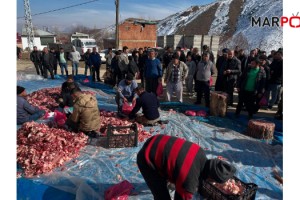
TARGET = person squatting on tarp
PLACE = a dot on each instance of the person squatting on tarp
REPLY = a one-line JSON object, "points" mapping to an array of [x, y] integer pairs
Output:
{"points": [[25, 111], [149, 103], [66, 89], [126, 92], [165, 158], [85, 116]]}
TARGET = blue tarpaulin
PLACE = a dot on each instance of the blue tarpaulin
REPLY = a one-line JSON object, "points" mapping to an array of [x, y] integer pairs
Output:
{"points": [[96, 168]]}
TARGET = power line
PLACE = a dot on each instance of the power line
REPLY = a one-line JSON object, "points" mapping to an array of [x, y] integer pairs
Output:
{"points": [[41, 13]]}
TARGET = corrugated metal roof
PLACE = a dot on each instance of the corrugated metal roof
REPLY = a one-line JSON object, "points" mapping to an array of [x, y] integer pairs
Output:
{"points": [[38, 32]]}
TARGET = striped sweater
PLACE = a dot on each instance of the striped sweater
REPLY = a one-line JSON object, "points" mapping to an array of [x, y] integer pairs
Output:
{"points": [[181, 162]]}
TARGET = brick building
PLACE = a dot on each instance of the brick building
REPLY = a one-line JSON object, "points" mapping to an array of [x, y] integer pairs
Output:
{"points": [[135, 33]]}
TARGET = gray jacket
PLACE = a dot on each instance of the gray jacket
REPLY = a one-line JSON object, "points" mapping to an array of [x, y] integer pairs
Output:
{"points": [[204, 71], [24, 110], [192, 67]]}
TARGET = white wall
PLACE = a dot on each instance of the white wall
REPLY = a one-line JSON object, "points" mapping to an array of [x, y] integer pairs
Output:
{"points": [[37, 43]]}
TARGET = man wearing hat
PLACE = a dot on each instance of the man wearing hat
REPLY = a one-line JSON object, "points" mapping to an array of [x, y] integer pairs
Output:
{"points": [[126, 92], [25, 111], [166, 158]]}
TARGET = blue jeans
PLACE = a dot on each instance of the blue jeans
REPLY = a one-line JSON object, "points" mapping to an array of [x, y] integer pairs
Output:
{"points": [[75, 68], [62, 67], [37, 115], [274, 89], [86, 68]]}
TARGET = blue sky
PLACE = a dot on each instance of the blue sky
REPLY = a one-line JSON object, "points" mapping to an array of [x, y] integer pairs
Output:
{"points": [[101, 13]]}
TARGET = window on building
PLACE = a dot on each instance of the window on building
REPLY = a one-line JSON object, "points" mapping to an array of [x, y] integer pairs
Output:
{"points": [[46, 40], [127, 28]]}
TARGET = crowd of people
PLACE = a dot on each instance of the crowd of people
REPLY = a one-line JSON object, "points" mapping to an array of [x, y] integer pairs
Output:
{"points": [[254, 77]]}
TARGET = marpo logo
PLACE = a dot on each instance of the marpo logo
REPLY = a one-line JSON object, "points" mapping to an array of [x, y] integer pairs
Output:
{"points": [[293, 21]]}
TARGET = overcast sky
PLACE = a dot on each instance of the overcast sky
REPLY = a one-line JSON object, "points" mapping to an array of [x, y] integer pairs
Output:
{"points": [[99, 14]]}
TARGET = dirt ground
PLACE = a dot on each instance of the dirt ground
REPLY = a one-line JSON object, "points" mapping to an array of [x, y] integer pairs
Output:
{"points": [[24, 65]]}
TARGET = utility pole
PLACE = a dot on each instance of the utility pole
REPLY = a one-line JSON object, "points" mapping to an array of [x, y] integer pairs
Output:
{"points": [[28, 25], [117, 24]]}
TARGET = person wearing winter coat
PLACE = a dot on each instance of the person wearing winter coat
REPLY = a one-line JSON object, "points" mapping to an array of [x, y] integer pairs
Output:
{"points": [[141, 64], [153, 72], [47, 60], [204, 70], [132, 66], [75, 57], [85, 116], [35, 57], [231, 73], [221, 65], [88, 65], [251, 87], [190, 77], [25, 111], [167, 58], [276, 78], [55, 56], [95, 60], [176, 74]]}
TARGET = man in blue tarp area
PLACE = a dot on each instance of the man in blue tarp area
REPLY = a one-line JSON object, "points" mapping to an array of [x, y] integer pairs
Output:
{"points": [[166, 158], [25, 111], [85, 116], [149, 103], [66, 88], [126, 93]]}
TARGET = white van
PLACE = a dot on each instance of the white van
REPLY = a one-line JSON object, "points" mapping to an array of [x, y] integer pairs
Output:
{"points": [[82, 45]]}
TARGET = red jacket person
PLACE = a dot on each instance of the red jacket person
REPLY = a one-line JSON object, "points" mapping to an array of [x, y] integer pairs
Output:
{"points": [[165, 159]]}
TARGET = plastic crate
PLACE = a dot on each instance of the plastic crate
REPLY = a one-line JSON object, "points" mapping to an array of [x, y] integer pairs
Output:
{"points": [[209, 191], [117, 140]]}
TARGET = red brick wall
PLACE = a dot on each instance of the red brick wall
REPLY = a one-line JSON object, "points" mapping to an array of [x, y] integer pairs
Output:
{"points": [[137, 36]]}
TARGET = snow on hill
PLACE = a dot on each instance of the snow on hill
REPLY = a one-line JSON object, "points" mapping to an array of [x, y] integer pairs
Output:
{"points": [[228, 17]]}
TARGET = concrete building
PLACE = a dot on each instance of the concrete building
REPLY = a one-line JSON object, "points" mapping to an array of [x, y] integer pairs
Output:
{"points": [[41, 38], [135, 33]]}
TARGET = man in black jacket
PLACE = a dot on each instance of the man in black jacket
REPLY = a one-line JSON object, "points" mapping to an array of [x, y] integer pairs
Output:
{"points": [[35, 57], [66, 88], [231, 74], [167, 57], [243, 58], [47, 62], [149, 103], [221, 65], [55, 58], [275, 83]]}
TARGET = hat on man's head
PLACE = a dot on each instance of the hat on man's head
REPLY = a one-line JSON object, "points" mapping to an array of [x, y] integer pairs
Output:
{"points": [[20, 89], [220, 171], [129, 77], [263, 57]]}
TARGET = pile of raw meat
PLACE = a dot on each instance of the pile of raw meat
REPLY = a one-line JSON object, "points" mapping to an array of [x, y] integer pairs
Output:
{"points": [[230, 187], [47, 98], [111, 118], [40, 149]]}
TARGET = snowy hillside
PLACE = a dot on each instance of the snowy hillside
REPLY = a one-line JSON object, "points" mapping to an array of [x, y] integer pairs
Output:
{"points": [[232, 20]]}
